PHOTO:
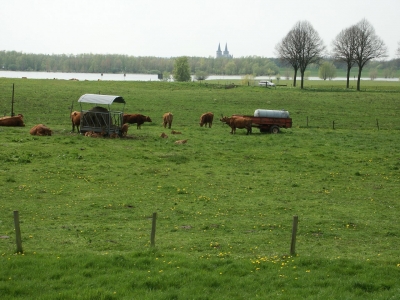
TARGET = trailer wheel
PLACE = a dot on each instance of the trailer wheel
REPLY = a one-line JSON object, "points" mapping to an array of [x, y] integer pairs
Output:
{"points": [[274, 129]]}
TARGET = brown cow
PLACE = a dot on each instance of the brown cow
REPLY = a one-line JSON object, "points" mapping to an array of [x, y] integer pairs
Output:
{"points": [[237, 122], [124, 129], [76, 120], [167, 120], [206, 118], [12, 121], [40, 130], [135, 118]]}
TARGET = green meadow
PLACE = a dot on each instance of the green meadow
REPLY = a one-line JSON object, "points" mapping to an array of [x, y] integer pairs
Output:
{"points": [[225, 203]]}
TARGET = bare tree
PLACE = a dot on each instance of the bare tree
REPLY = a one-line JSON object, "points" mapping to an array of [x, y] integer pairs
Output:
{"points": [[344, 48], [368, 46], [301, 46], [398, 49], [287, 52], [310, 46]]}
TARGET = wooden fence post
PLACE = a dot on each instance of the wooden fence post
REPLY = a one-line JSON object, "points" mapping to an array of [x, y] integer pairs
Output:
{"points": [[12, 103], [294, 232], [333, 125], [17, 232], [153, 230], [377, 123]]}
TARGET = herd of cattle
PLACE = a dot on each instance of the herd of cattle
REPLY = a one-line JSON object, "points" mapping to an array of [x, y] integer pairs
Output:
{"points": [[205, 119]]}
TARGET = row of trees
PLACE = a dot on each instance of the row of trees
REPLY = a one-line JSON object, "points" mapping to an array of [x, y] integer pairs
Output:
{"points": [[356, 45], [96, 63]]}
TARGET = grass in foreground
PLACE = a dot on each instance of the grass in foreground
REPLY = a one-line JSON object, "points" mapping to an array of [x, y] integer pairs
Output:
{"points": [[225, 203]]}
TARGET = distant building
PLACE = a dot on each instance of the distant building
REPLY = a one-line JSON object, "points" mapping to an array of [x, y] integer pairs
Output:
{"points": [[225, 53]]}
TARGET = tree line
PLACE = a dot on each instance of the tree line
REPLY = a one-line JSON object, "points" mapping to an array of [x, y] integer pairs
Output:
{"points": [[114, 63]]}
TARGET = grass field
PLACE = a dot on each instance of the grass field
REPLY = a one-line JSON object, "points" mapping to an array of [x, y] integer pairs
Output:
{"points": [[225, 203]]}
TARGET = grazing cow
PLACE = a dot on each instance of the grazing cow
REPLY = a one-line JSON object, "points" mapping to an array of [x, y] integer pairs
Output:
{"points": [[167, 120], [124, 129], [238, 122], [76, 120], [206, 118], [12, 121], [176, 132], [135, 118], [180, 142], [40, 130], [163, 135]]}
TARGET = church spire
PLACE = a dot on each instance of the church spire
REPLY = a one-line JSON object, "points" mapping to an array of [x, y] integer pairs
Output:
{"points": [[219, 52], [225, 53]]}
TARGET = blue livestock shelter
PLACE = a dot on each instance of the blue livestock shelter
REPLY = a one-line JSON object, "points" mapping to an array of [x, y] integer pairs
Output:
{"points": [[100, 118]]}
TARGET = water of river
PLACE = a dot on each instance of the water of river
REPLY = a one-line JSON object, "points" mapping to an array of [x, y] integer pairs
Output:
{"points": [[134, 77]]}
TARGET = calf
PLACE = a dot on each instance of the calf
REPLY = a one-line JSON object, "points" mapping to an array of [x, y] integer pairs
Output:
{"points": [[167, 120], [40, 130], [179, 142], [124, 129], [114, 135], [206, 118], [94, 134]]}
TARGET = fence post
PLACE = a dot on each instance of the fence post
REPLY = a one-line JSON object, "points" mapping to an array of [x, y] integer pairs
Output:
{"points": [[307, 121], [333, 125], [17, 232], [12, 103], [153, 230], [294, 232], [377, 124]]}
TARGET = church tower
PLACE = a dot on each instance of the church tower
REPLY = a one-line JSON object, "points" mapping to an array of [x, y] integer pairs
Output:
{"points": [[225, 53], [219, 52]]}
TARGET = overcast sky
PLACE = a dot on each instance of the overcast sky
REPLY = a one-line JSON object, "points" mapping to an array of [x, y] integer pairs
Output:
{"points": [[174, 28]]}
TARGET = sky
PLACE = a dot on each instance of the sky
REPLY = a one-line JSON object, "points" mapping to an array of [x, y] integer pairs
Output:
{"points": [[172, 28]]}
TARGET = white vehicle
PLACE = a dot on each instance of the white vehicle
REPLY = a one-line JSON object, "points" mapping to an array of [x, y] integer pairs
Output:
{"points": [[266, 83]]}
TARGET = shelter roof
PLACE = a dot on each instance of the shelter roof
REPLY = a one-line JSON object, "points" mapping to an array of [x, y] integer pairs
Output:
{"points": [[101, 99]]}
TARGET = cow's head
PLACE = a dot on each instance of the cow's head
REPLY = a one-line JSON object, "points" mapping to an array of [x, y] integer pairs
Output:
{"points": [[225, 120], [148, 119]]}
